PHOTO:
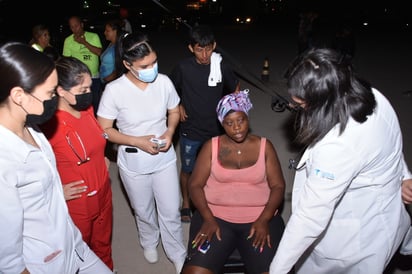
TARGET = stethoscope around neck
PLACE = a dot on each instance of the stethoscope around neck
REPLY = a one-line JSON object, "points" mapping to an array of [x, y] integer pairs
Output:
{"points": [[80, 155], [293, 163]]}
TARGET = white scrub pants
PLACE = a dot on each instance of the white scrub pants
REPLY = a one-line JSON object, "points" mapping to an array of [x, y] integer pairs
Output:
{"points": [[155, 199]]}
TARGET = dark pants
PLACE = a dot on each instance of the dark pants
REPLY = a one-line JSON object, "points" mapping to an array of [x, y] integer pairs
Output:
{"points": [[234, 236]]}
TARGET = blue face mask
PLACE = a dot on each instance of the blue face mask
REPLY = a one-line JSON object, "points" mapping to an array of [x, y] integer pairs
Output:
{"points": [[145, 75]]}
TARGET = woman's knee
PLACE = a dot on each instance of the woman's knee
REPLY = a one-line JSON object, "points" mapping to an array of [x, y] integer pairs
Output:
{"points": [[193, 269]]}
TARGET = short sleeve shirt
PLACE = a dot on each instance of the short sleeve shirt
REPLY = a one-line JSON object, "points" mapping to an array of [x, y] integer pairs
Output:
{"points": [[81, 52]]}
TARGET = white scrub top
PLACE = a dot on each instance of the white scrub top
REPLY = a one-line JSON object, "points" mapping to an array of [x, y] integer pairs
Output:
{"points": [[138, 113], [347, 210], [36, 229]]}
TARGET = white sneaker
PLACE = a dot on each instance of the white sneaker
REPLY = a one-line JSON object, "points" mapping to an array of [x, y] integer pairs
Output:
{"points": [[151, 255], [178, 267]]}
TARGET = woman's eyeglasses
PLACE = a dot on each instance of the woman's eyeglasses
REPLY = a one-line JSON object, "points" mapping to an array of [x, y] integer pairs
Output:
{"points": [[82, 158]]}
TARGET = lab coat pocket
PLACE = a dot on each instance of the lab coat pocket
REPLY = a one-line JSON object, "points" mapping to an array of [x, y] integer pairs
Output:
{"points": [[52, 263], [341, 240]]}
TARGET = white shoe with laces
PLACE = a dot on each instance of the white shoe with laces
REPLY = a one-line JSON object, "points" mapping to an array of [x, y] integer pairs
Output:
{"points": [[151, 255]]}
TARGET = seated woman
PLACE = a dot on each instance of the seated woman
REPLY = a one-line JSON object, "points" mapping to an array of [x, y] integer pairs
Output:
{"points": [[237, 187]]}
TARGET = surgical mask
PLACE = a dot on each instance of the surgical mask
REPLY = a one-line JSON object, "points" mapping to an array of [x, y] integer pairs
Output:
{"points": [[83, 101], [49, 108], [145, 75]]}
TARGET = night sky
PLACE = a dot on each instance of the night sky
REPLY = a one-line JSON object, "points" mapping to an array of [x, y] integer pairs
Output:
{"points": [[13, 13]]}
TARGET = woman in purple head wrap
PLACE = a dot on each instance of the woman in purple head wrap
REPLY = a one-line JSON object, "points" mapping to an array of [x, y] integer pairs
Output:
{"points": [[237, 187], [237, 101]]}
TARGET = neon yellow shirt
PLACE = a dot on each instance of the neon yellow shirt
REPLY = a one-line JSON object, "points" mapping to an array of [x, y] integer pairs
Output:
{"points": [[81, 52]]}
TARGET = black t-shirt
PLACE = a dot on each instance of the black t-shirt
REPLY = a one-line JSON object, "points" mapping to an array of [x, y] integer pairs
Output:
{"points": [[199, 100]]}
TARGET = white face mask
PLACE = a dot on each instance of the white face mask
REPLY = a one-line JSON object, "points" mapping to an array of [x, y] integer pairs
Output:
{"points": [[145, 75]]}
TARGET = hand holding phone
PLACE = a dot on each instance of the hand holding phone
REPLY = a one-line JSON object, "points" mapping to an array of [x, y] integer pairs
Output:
{"points": [[204, 247], [159, 142]]}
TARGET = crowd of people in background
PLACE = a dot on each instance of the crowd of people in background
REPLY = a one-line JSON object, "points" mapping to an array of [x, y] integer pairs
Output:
{"points": [[60, 110]]}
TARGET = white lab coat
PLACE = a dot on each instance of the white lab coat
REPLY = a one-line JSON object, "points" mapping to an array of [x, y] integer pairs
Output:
{"points": [[347, 211], [36, 229]]}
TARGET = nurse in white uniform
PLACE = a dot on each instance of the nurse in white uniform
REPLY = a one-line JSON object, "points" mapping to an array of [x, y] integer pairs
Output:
{"points": [[37, 233], [347, 210]]}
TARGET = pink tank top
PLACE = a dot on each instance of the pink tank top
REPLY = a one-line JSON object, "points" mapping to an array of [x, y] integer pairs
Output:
{"points": [[237, 195]]}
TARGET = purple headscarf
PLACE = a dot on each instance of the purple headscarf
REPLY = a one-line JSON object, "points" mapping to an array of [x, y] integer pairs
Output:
{"points": [[237, 101]]}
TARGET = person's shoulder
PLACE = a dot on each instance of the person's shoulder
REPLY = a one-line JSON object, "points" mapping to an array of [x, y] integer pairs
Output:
{"points": [[121, 80], [208, 143], [226, 64], [163, 77], [90, 33], [186, 61], [268, 143], [69, 38], [255, 138]]}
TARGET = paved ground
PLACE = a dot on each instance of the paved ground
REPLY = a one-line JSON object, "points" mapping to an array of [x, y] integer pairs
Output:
{"points": [[384, 59]]}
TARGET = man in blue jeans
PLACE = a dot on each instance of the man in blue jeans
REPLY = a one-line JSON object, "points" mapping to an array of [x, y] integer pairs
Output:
{"points": [[201, 81]]}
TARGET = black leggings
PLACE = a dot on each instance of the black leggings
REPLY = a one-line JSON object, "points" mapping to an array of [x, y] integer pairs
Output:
{"points": [[234, 236]]}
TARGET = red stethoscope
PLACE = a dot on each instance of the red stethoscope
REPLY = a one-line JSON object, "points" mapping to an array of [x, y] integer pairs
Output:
{"points": [[73, 136], [82, 157]]}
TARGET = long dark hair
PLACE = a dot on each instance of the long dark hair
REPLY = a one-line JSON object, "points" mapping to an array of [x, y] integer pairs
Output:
{"points": [[70, 72], [22, 66], [331, 92], [116, 24], [134, 46]]}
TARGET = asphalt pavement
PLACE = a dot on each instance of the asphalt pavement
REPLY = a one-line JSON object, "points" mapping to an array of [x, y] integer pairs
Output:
{"points": [[384, 58]]}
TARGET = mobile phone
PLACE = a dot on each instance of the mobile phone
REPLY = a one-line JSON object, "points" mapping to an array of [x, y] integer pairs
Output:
{"points": [[204, 247], [131, 150], [160, 142]]}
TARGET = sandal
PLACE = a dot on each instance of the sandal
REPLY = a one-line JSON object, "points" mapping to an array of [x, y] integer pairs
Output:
{"points": [[185, 215]]}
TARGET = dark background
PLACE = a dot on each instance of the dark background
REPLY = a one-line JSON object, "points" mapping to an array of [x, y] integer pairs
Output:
{"points": [[18, 17]]}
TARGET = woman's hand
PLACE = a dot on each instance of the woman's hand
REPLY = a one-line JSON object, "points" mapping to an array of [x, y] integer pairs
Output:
{"points": [[183, 115], [168, 139], [107, 162], [73, 190], [80, 39], [259, 235], [144, 143], [206, 232], [407, 191]]}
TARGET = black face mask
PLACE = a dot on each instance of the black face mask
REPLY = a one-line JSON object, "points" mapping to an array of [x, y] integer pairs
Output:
{"points": [[83, 101], [49, 107]]}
